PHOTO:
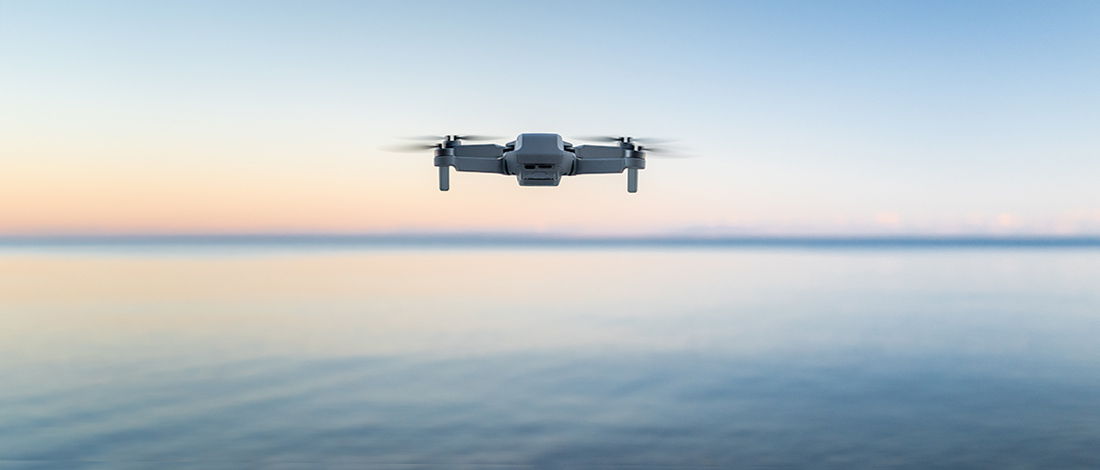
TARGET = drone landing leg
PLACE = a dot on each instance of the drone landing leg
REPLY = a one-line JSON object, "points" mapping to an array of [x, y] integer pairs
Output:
{"points": [[444, 178], [631, 180]]}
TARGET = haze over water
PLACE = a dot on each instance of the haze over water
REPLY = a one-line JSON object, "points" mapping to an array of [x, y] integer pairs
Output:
{"points": [[352, 357]]}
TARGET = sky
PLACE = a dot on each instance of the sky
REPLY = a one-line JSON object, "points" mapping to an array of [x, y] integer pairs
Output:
{"points": [[807, 118]]}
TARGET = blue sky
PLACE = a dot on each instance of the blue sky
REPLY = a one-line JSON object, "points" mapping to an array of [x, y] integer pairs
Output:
{"points": [[809, 117]]}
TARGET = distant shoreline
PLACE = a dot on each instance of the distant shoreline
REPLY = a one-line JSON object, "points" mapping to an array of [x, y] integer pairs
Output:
{"points": [[467, 240]]}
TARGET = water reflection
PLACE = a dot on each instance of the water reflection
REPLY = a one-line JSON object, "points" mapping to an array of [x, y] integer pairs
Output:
{"points": [[548, 358]]}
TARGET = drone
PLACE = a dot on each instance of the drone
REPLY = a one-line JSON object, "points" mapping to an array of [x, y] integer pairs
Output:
{"points": [[538, 159]]}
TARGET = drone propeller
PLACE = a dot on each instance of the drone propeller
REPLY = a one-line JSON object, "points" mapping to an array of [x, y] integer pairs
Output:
{"points": [[437, 138], [453, 137], [664, 152], [638, 140], [412, 147]]}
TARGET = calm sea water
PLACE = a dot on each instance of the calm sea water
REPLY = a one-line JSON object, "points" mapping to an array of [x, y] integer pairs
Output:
{"points": [[236, 357]]}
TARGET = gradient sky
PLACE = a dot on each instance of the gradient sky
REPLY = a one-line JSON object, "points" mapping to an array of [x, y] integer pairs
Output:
{"points": [[871, 117]]}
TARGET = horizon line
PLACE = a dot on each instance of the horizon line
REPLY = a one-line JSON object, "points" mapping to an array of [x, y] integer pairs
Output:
{"points": [[505, 239]]}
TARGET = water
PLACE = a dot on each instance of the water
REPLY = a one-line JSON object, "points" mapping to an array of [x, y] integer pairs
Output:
{"points": [[237, 357]]}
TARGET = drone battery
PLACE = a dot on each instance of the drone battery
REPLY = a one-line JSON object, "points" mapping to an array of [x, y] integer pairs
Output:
{"points": [[538, 182]]}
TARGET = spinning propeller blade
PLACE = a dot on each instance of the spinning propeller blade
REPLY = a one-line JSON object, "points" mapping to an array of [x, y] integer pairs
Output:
{"points": [[453, 137], [664, 152], [601, 138], [643, 144], [411, 147], [476, 137], [636, 140]]}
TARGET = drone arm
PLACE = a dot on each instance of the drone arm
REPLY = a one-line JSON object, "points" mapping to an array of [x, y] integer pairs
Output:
{"points": [[479, 151], [474, 164], [483, 158], [593, 159], [476, 158], [590, 166]]}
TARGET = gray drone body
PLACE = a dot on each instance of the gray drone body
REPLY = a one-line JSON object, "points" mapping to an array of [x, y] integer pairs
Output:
{"points": [[539, 159]]}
